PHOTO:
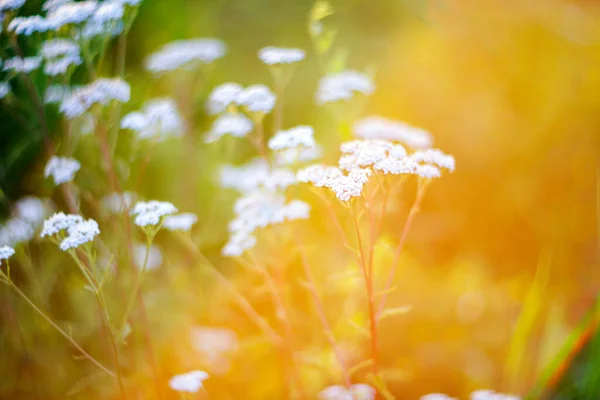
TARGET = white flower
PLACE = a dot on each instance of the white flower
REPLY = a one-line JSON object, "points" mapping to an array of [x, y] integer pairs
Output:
{"points": [[4, 89], [28, 25], [71, 13], [185, 54], [214, 346], [236, 125], [62, 169], [343, 86], [257, 99], [59, 55], [238, 243], [319, 175], [345, 186], [16, 230], [222, 96], [277, 55], [158, 119], [491, 395], [382, 128], [150, 212], [298, 155], [295, 209], [180, 222], [56, 94], [428, 171], [108, 11], [359, 391], [7, 5], [6, 252], [435, 157], [24, 65], [129, 2], [190, 382], [116, 203], [254, 175], [299, 136], [58, 222], [50, 5], [437, 396], [106, 20], [30, 209], [102, 91], [81, 233], [155, 258]]}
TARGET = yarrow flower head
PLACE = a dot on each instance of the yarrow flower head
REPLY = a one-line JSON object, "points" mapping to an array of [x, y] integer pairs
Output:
{"points": [[180, 222], [437, 396], [344, 185], [149, 213], [236, 125], [62, 169], [222, 97], [16, 230], [382, 128], [298, 155], [297, 137], [29, 25], [81, 233], [102, 91], [491, 395], [106, 20], [59, 55], [343, 86], [434, 157], [278, 55], [187, 54], [59, 222], [358, 391], [190, 382], [24, 65], [158, 119], [257, 99], [71, 13], [8, 5], [6, 252], [31, 209]]}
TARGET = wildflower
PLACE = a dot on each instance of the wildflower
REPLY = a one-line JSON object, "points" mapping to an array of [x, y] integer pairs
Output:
{"points": [[155, 258], [434, 157], [180, 222], [437, 396], [14, 231], [80, 233], [366, 153], [71, 13], [278, 55], [222, 96], [7, 5], [30, 209], [116, 203], [4, 89], [106, 20], [355, 392], [24, 65], [28, 25], [491, 395], [382, 128], [186, 54], [62, 169], [427, 171], [299, 136], [151, 212], [50, 5], [190, 382], [214, 346], [59, 55], [6, 252], [56, 93], [102, 91], [236, 125], [158, 119], [257, 99], [238, 243], [298, 155], [342, 86], [59, 222], [345, 186]]}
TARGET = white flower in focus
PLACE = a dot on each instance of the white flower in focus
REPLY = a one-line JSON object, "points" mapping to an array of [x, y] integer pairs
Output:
{"points": [[102, 91], [6, 252], [7, 5], [491, 395], [59, 55], [437, 396], [435, 157], [215, 346], [155, 258], [299, 136], [222, 96], [345, 186], [382, 128], [62, 169], [158, 119], [150, 212], [4, 89], [24, 65], [428, 171], [319, 175], [28, 25], [188, 383], [180, 222], [355, 392], [59, 222], [343, 86], [278, 55], [186, 54], [257, 99], [116, 203], [81, 233], [298, 156], [71, 13], [236, 125]]}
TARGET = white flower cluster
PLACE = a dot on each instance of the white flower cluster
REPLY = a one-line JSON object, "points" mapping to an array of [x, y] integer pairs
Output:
{"points": [[234, 124], [149, 213], [344, 185], [260, 209], [187, 54], [22, 65], [116, 203], [359, 391], [190, 382], [28, 25], [254, 98], [70, 13], [102, 91], [6, 252], [59, 55], [256, 175], [8, 5], [62, 169], [343, 86], [4, 89], [293, 138], [56, 93], [180, 222], [158, 119], [382, 128], [26, 217], [279, 55], [476, 395], [298, 155], [106, 20], [59, 222], [80, 233]]}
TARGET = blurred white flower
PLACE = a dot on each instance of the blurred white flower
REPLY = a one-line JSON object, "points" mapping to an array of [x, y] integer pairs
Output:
{"points": [[158, 119], [155, 258], [50, 5], [150, 212], [222, 96], [7, 5], [491, 395], [6, 252], [256, 174], [188, 383], [81, 233], [343, 86], [24, 65], [31, 209], [238, 243], [106, 20], [116, 203], [59, 55], [257, 99], [298, 136], [298, 155], [56, 93], [62, 169], [278, 55], [28, 25], [59, 222], [71, 13], [180, 222], [187, 54], [435, 157], [215, 346], [14, 231], [4, 89], [358, 391], [102, 91], [236, 125], [376, 127], [437, 396]]}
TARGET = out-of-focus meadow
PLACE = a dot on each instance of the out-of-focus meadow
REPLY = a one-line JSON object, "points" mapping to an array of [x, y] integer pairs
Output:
{"points": [[502, 261]]}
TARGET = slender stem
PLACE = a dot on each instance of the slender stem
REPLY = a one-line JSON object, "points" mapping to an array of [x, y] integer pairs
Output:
{"points": [[414, 210], [136, 286], [62, 332], [116, 112]]}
